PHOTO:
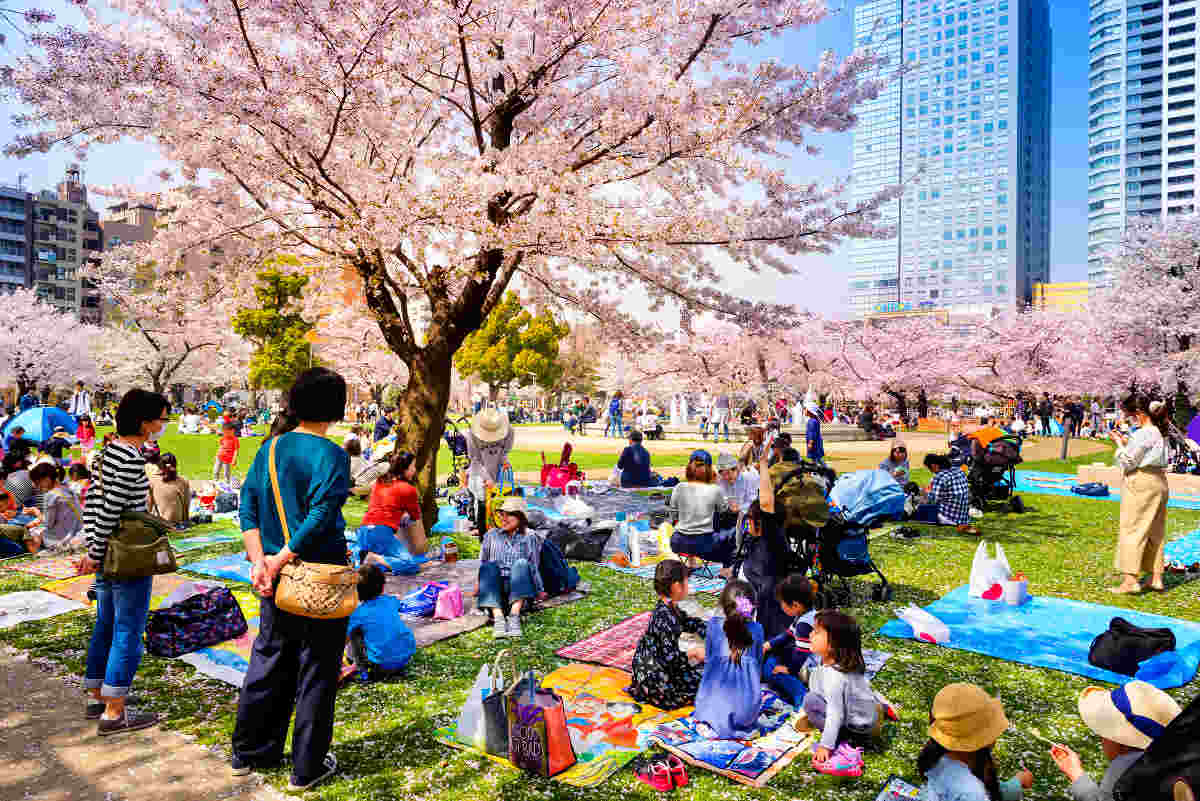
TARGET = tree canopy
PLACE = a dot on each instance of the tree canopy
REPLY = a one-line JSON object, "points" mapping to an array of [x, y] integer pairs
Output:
{"points": [[276, 327], [514, 346]]}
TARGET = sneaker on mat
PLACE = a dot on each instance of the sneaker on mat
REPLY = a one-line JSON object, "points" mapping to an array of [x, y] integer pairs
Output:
{"points": [[297, 786], [656, 774], [130, 720], [839, 764], [499, 627], [514, 627]]}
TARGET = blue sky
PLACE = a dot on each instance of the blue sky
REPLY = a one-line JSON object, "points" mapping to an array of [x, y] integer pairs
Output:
{"points": [[822, 283]]}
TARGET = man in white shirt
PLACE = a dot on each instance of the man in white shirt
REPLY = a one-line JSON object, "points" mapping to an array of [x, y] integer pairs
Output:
{"points": [[81, 401], [740, 485]]}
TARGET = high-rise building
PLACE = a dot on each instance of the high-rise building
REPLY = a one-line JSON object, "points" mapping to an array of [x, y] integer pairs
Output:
{"points": [[1069, 296], [967, 128], [1141, 119], [16, 231]]}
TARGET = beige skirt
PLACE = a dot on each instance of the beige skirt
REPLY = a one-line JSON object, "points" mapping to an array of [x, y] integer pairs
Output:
{"points": [[1143, 522]]}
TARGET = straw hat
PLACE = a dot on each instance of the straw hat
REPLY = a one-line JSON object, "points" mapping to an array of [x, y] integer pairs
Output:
{"points": [[1133, 715], [514, 503], [490, 425], [725, 461], [965, 718]]}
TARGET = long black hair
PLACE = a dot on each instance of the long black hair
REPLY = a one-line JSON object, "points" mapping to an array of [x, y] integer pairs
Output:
{"points": [[398, 464], [845, 640], [737, 630], [666, 575], [981, 764], [1156, 410]]}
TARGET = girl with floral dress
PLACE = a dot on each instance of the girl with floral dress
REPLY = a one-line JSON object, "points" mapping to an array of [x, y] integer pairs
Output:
{"points": [[662, 674]]}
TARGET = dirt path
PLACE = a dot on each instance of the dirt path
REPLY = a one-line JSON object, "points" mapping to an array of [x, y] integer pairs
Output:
{"points": [[50, 753]]}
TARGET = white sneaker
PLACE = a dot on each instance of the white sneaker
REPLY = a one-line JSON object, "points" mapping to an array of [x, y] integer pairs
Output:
{"points": [[499, 627], [514, 627]]}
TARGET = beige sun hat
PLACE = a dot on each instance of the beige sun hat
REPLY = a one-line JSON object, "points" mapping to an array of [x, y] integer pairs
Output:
{"points": [[1132, 715], [514, 503], [965, 718], [490, 425]]}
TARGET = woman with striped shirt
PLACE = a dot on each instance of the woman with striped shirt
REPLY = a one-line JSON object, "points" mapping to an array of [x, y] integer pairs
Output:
{"points": [[115, 649]]}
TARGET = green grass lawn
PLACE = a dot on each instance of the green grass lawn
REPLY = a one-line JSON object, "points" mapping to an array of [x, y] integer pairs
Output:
{"points": [[384, 736]]}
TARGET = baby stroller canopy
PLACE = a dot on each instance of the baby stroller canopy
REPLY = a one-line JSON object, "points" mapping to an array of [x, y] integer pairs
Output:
{"points": [[865, 496]]}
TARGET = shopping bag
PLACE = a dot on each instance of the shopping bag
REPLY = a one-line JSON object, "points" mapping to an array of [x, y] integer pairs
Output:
{"points": [[538, 741], [988, 574], [472, 726], [924, 625], [449, 603], [422, 602], [505, 487]]}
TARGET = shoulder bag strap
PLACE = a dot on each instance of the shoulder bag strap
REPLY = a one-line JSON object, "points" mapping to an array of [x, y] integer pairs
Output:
{"points": [[287, 535]]}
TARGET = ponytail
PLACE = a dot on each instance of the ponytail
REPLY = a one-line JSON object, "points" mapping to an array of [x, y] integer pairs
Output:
{"points": [[1157, 412], [737, 601]]}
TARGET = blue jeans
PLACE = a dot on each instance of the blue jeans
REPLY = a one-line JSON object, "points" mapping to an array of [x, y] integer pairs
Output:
{"points": [[716, 546], [115, 650], [790, 688], [614, 424], [381, 540], [498, 592]]}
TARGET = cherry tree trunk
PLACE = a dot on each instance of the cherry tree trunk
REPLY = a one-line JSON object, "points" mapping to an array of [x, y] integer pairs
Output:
{"points": [[421, 418]]}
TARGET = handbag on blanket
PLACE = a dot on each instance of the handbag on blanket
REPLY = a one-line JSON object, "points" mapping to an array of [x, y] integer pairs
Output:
{"points": [[538, 740], [1124, 646], [475, 727], [505, 487], [204, 619], [311, 589], [449, 603]]}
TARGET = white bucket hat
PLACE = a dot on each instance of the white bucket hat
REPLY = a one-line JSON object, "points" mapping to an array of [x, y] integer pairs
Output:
{"points": [[490, 425], [1133, 715]]}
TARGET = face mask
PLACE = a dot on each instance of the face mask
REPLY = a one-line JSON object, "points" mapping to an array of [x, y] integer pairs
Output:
{"points": [[154, 435]]}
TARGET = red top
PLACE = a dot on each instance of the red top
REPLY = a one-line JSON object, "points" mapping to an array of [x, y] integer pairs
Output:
{"points": [[389, 501], [228, 447]]}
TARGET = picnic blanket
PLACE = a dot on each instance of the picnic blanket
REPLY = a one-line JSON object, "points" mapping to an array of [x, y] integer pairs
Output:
{"points": [[22, 607], [231, 567], [76, 589], [696, 583], [605, 506], [55, 567], [465, 573], [1184, 550], [1042, 483], [228, 661], [752, 762], [607, 727], [195, 543], [447, 516], [1056, 633]]}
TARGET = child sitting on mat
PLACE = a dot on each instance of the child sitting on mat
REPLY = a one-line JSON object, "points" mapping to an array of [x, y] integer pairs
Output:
{"points": [[1126, 720], [787, 656], [956, 763], [840, 701], [662, 675], [730, 695], [380, 643]]}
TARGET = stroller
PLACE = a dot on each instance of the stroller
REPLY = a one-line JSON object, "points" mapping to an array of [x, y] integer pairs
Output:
{"points": [[991, 470], [457, 443], [839, 550]]}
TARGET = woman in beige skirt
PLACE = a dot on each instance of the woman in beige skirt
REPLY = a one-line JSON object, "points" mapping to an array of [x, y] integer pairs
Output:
{"points": [[1143, 458]]}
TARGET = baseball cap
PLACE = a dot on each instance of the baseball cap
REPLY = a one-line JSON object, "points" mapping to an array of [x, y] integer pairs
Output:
{"points": [[701, 456]]}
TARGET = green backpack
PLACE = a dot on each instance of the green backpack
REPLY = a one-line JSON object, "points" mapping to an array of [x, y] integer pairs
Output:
{"points": [[799, 496]]}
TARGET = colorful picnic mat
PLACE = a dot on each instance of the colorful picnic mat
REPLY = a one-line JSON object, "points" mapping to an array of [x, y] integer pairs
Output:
{"points": [[231, 567], [22, 607], [76, 589], [464, 573], [753, 762], [1056, 633], [55, 567], [606, 725], [198, 541], [1043, 483]]}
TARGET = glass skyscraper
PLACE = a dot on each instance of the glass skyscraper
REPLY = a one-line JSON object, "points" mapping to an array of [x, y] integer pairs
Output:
{"points": [[1141, 118], [967, 128]]}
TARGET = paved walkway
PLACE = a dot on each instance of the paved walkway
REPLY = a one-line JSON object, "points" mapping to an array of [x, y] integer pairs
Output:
{"points": [[50, 753]]}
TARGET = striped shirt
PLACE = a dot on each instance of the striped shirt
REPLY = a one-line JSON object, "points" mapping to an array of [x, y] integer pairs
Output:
{"points": [[123, 487], [504, 550]]}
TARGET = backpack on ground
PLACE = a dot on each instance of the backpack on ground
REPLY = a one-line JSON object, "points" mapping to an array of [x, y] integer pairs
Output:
{"points": [[1124, 646], [557, 576]]}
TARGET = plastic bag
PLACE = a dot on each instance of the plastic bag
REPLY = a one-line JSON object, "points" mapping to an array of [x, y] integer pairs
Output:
{"points": [[924, 625], [988, 574], [449, 603], [422, 602], [489, 680]]}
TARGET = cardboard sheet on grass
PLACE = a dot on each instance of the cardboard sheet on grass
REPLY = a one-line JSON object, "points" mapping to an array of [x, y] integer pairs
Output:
{"points": [[54, 567], [22, 607], [608, 728], [1041, 483], [1055, 633], [465, 573]]}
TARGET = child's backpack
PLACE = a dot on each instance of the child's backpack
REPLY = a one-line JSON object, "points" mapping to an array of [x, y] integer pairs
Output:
{"points": [[557, 576], [799, 496], [1172, 757]]}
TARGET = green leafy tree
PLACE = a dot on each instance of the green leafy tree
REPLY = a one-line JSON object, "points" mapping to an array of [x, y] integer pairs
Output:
{"points": [[513, 347], [276, 327]]}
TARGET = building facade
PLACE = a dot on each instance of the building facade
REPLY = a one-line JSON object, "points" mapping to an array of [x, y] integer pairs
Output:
{"points": [[1141, 119], [967, 129], [1062, 296], [16, 234]]}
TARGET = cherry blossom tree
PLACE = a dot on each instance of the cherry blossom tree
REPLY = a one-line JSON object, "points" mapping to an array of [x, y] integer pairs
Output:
{"points": [[351, 343], [582, 151], [895, 357], [41, 346]]}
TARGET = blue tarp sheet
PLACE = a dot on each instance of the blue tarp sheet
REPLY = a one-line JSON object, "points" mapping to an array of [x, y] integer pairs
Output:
{"points": [[1185, 550], [1040, 483], [232, 567], [1056, 633]]}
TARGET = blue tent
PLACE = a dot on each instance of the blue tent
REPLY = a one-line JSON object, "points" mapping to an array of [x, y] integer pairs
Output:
{"points": [[40, 421], [212, 404]]}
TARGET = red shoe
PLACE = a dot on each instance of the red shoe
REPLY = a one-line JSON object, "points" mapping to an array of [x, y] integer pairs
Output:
{"points": [[656, 775], [678, 771]]}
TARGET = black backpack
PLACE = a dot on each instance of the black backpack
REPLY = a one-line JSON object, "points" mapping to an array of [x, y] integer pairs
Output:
{"points": [[1124, 646], [1174, 755]]}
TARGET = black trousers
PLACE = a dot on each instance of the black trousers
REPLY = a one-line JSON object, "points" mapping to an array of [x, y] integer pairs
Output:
{"points": [[295, 664]]}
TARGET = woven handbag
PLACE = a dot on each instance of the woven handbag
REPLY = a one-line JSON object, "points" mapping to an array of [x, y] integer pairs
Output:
{"points": [[311, 589]]}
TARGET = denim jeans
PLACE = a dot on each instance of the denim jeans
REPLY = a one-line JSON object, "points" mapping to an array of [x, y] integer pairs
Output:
{"points": [[789, 687], [718, 546], [116, 646], [498, 592], [614, 424]]}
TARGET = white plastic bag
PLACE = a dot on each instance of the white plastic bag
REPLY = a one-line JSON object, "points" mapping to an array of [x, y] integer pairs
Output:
{"points": [[989, 574], [614, 478], [924, 625], [574, 507], [470, 719]]}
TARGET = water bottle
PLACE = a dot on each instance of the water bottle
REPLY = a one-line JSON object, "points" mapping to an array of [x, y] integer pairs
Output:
{"points": [[635, 544]]}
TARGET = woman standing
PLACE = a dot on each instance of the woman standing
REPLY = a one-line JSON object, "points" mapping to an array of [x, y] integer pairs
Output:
{"points": [[1143, 459], [489, 440], [115, 649], [295, 660]]}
